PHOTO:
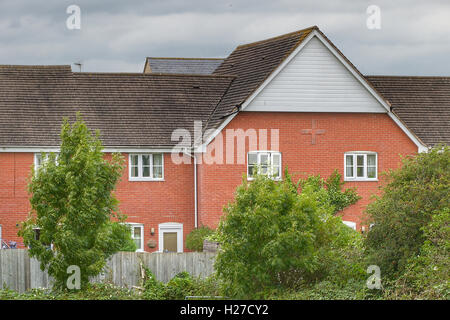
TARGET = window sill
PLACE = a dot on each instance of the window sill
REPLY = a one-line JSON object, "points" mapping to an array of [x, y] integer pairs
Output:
{"points": [[359, 180], [274, 179], [144, 180]]}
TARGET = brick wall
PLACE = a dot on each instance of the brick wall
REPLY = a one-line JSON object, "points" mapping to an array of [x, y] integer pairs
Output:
{"points": [[146, 202], [172, 200], [343, 133]]}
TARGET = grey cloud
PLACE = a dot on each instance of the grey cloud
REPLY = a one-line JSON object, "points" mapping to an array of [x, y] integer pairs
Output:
{"points": [[118, 35]]}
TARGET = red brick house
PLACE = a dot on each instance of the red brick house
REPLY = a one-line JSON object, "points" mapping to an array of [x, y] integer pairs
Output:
{"points": [[190, 128]]}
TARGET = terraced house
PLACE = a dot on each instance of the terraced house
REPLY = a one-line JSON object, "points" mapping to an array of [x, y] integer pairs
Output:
{"points": [[294, 101]]}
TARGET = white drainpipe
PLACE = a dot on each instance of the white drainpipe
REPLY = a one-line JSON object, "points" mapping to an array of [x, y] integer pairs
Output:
{"points": [[195, 188]]}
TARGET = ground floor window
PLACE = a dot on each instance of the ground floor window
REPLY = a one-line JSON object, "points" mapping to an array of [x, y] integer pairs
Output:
{"points": [[350, 224], [137, 234], [37, 234], [171, 237]]}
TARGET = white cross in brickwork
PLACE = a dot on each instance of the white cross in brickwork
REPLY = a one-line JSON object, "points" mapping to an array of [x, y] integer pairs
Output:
{"points": [[313, 131]]}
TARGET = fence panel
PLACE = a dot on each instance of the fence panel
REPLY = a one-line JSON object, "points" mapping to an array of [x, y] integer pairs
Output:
{"points": [[20, 272]]}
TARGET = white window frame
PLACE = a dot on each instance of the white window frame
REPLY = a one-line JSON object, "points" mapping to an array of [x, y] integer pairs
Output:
{"points": [[170, 227], [270, 169], [354, 154], [138, 225], [36, 154], [350, 224], [140, 168]]}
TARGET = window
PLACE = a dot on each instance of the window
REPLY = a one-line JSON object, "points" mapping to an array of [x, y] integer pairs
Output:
{"points": [[146, 167], [350, 224], [40, 158], [266, 162], [137, 234], [37, 234], [360, 166]]}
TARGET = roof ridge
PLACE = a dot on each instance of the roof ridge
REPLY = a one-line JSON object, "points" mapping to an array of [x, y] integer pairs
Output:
{"points": [[36, 66], [151, 74], [278, 37], [184, 58]]}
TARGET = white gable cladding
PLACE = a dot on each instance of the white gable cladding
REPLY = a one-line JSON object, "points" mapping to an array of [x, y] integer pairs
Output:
{"points": [[314, 80]]}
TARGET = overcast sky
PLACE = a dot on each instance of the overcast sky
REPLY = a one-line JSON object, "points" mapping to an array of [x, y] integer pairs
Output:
{"points": [[414, 38]]}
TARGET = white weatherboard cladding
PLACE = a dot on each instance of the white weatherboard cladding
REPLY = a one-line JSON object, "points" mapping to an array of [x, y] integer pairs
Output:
{"points": [[315, 81]]}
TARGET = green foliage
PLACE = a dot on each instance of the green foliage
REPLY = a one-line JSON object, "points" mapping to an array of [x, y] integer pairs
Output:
{"points": [[272, 237], [411, 197], [333, 185], [97, 291], [327, 290], [179, 287], [194, 240], [426, 275], [72, 204]]}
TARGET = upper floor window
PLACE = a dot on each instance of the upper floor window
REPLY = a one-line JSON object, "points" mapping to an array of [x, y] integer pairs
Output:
{"points": [[40, 158], [146, 166], [265, 162], [361, 166]]}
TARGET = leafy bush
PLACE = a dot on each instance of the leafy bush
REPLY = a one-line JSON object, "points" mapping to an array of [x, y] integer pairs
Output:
{"points": [[194, 240], [411, 197], [426, 275], [97, 291], [273, 237], [179, 287], [327, 290], [334, 195]]}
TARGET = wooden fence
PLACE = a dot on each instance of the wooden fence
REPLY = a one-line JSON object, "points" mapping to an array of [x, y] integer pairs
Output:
{"points": [[20, 272]]}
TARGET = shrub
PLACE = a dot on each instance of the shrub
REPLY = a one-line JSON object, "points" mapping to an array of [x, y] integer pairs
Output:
{"points": [[426, 275], [194, 240], [273, 237], [179, 287], [410, 198], [334, 195]]}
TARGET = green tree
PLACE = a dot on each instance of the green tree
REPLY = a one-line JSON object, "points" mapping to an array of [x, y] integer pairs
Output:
{"points": [[410, 198], [73, 206], [274, 237]]}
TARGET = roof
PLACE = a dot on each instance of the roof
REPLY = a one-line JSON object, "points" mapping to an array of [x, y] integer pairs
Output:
{"points": [[129, 109], [422, 103], [182, 65], [143, 109], [252, 63]]}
